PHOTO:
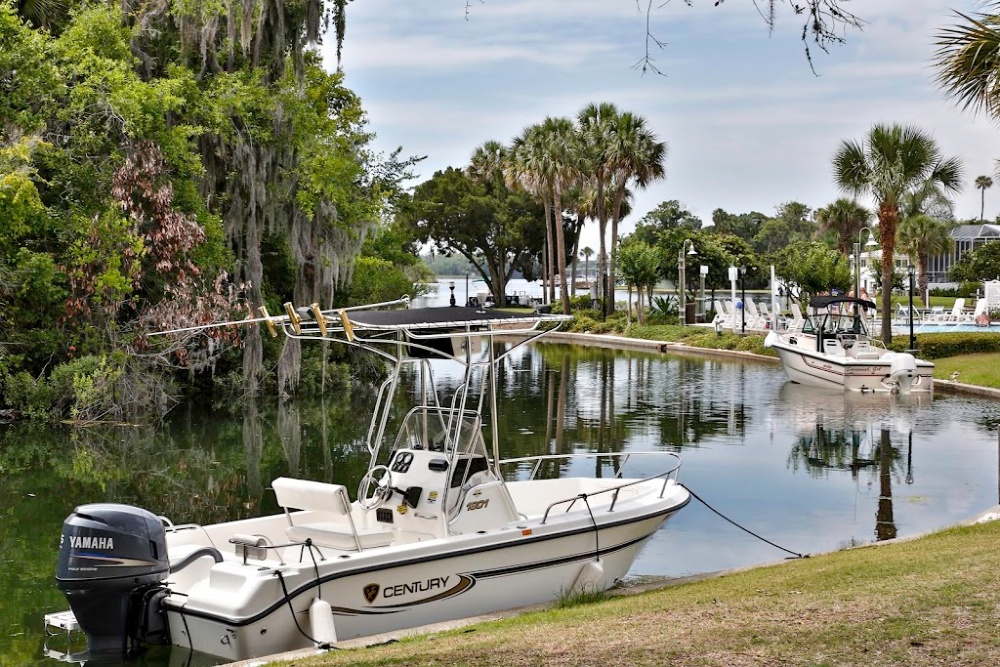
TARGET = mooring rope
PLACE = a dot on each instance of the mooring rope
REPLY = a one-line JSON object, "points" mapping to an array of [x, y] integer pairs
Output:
{"points": [[746, 530]]}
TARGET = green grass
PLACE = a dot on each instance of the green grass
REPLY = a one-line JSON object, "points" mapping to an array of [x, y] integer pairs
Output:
{"points": [[930, 601], [982, 369]]}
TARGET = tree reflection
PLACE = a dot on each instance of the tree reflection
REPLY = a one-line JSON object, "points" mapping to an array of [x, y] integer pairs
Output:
{"points": [[854, 450], [885, 527]]}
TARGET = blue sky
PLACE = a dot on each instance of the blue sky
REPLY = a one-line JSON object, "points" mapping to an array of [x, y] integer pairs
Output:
{"points": [[748, 125]]}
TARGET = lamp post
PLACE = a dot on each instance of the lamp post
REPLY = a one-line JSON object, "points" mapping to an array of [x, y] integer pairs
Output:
{"points": [[466, 288], [681, 266], [743, 299], [451, 299], [872, 243], [913, 344]]}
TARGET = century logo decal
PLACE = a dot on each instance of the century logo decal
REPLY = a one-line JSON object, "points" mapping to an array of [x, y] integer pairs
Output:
{"points": [[440, 584]]}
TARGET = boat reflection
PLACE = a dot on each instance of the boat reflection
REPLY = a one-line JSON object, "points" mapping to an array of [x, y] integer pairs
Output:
{"points": [[849, 432]]}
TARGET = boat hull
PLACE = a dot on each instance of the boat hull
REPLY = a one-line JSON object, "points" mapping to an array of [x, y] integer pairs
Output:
{"points": [[809, 367], [240, 615]]}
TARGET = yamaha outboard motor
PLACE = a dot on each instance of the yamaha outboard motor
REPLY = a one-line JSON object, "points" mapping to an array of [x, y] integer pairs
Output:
{"points": [[112, 561]]}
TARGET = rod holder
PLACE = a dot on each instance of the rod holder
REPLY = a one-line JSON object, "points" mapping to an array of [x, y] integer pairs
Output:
{"points": [[318, 314], [267, 320], [293, 317]]}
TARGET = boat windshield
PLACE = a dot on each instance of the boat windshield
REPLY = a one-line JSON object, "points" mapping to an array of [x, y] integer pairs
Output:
{"points": [[844, 321], [441, 430]]}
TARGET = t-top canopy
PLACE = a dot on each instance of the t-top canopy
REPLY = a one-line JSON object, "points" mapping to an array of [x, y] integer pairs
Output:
{"points": [[443, 318], [825, 301]]}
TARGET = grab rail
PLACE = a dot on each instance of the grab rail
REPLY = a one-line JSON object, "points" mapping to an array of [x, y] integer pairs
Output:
{"points": [[667, 475]]}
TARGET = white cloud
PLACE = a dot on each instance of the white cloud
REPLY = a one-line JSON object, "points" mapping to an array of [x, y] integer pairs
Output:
{"points": [[748, 124]]}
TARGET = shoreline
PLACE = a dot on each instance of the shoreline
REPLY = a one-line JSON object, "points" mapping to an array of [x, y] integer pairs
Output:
{"points": [[427, 631], [642, 345], [670, 347]]}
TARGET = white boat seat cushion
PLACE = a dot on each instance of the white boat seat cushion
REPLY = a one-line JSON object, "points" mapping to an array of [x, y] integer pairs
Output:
{"points": [[320, 497], [338, 536], [833, 346]]}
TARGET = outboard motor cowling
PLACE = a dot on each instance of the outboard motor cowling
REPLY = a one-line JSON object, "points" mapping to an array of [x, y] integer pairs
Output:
{"points": [[111, 558]]}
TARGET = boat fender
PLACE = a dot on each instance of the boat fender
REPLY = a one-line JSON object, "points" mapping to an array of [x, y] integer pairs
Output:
{"points": [[770, 339], [321, 625], [589, 578]]}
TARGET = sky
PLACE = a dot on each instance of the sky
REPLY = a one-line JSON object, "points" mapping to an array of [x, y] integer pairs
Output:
{"points": [[748, 125]]}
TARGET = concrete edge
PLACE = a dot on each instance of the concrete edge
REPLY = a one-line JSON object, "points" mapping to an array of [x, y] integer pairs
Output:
{"points": [[671, 347]]}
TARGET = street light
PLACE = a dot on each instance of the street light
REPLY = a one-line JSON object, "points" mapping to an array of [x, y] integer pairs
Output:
{"points": [[872, 243], [466, 288], [681, 266], [913, 343], [743, 299], [451, 300]]}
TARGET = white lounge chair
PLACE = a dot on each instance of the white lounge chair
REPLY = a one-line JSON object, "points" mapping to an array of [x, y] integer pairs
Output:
{"points": [[981, 307], [797, 320], [723, 315], [754, 319], [956, 311]]}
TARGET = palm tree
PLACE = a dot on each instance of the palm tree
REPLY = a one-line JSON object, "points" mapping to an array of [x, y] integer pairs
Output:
{"points": [[636, 156], [561, 171], [488, 162], [545, 163], [983, 182], [587, 253], [525, 168], [845, 217], [891, 162], [596, 126], [966, 63], [920, 237]]}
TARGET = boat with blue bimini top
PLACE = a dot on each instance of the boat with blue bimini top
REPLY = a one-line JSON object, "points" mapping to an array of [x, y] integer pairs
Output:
{"points": [[833, 348], [441, 528]]}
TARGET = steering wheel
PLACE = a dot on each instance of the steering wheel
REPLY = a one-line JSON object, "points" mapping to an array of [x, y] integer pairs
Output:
{"points": [[381, 478]]}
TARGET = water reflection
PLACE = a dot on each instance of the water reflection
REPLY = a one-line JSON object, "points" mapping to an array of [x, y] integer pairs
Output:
{"points": [[810, 469]]}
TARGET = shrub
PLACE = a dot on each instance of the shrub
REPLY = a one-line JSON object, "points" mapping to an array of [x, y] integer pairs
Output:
{"points": [[937, 346]]}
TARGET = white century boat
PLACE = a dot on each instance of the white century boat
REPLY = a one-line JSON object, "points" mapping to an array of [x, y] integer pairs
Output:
{"points": [[441, 527], [833, 348]]}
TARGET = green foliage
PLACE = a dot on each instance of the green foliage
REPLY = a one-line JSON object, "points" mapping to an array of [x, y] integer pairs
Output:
{"points": [[497, 230], [667, 216], [377, 280], [899, 277], [639, 262], [813, 268], [981, 264], [938, 346]]}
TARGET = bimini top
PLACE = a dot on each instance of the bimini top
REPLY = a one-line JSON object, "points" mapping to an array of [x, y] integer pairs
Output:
{"points": [[825, 301], [444, 317]]}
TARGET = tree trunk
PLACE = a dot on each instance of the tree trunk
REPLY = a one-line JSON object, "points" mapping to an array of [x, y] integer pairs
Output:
{"points": [[615, 216], [550, 253], [922, 279], [602, 256], [887, 217], [560, 249]]}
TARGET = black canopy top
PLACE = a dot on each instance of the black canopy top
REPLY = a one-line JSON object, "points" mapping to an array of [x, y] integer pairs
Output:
{"points": [[441, 317], [825, 301]]}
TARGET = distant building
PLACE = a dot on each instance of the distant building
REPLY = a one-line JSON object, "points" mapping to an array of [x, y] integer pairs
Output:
{"points": [[967, 238]]}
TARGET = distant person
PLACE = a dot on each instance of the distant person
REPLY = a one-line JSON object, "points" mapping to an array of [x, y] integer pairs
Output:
{"points": [[983, 320]]}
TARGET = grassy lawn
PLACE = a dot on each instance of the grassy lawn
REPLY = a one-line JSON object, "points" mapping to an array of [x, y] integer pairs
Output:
{"points": [[930, 601], [979, 369]]}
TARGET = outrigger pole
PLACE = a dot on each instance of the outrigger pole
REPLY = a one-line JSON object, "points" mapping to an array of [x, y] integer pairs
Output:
{"points": [[293, 317]]}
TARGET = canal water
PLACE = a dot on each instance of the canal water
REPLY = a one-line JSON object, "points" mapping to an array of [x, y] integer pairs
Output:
{"points": [[810, 470]]}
